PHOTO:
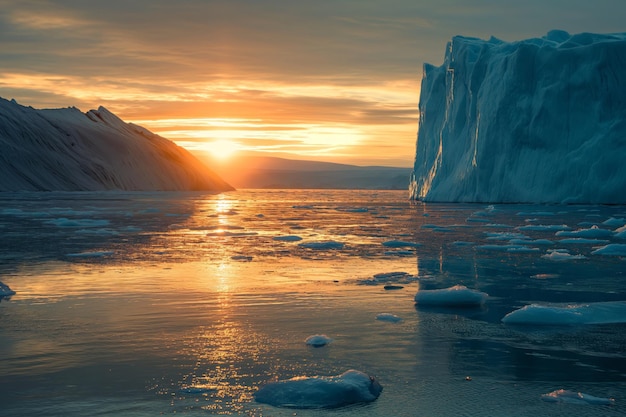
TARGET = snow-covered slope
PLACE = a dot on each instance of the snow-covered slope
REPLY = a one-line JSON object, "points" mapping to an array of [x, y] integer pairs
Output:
{"points": [[540, 120], [67, 150]]}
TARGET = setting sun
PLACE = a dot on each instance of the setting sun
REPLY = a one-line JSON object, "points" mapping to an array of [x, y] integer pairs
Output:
{"points": [[223, 149]]}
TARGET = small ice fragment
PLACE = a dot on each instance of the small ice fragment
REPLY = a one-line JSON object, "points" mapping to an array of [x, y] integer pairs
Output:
{"points": [[613, 222], [401, 244], [594, 232], [456, 296], [5, 291], [196, 390], [614, 249], [560, 255], [243, 258], [318, 340], [544, 227], [288, 238], [388, 317], [393, 287], [320, 391], [571, 397], [92, 254], [63, 222], [328, 244]]}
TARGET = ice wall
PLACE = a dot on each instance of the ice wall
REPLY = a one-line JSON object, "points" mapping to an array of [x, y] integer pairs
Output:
{"points": [[67, 150], [540, 120]]}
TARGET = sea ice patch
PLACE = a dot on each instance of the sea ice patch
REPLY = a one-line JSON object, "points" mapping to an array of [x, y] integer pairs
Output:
{"points": [[322, 245], [455, 296], [572, 314], [318, 340], [614, 249], [572, 397], [392, 318], [351, 387], [560, 255]]}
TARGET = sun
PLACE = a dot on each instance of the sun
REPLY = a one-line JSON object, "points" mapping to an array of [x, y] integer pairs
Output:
{"points": [[223, 149]]}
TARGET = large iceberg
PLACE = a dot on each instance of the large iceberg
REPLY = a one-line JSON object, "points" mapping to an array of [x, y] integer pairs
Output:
{"points": [[67, 150], [539, 120]]}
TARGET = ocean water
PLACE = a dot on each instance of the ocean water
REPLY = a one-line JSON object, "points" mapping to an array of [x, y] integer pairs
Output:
{"points": [[144, 304]]}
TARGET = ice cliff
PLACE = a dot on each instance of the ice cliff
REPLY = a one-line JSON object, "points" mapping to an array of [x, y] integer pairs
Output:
{"points": [[539, 120], [67, 150]]}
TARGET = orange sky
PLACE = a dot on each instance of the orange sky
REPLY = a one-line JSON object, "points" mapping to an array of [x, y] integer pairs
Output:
{"points": [[326, 80]]}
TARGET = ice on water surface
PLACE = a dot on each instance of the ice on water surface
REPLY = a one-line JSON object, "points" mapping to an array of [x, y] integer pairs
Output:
{"points": [[192, 304]]}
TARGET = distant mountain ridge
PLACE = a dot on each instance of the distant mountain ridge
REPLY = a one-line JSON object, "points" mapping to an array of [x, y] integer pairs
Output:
{"points": [[272, 172], [68, 150]]}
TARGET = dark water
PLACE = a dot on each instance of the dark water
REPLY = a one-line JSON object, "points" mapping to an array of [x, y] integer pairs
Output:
{"points": [[125, 301]]}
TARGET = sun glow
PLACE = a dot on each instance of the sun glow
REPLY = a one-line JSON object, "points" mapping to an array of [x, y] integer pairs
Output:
{"points": [[223, 149]]}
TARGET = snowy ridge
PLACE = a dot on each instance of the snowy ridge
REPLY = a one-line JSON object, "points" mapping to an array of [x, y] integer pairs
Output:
{"points": [[539, 120], [67, 150]]}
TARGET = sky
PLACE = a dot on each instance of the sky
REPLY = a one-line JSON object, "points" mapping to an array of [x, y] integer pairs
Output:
{"points": [[326, 80]]}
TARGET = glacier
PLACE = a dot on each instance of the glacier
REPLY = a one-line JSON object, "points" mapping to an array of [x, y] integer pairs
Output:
{"points": [[68, 150], [540, 120]]}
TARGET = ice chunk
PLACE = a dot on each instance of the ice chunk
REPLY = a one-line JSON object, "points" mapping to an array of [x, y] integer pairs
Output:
{"points": [[321, 391], [614, 249], [594, 232], [92, 254], [614, 222], [288, 238], [64, 222], [5, 291], [388, 317], [456, 296], [544, 227], [561, 255], [401, 244], [318, 340], [322, 245], [575, 314], [497, 118], [571, 397]]}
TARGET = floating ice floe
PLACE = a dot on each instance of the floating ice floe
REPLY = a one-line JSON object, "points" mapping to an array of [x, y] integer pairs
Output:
{"points": [[400, 244], [318, 340], [243, 258], [389, 277], [388, 317], [572, 397], [5, 291], [561, 255], [63, 222], [582, 241], [614, 249], [575, 314], [92, 254], [620, 233], [327, 244], [614, 222], [287, 238], [594, 232], [351, 387], [504, 236], [544, 227], [456, 296]]}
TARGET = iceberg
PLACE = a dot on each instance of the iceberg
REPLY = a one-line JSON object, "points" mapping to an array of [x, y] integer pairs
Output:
{"points": [[68, 150], [321, 391], [539, 120]]}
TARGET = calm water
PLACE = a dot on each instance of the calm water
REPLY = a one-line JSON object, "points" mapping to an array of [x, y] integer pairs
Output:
{"points": [[124, 300]]}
